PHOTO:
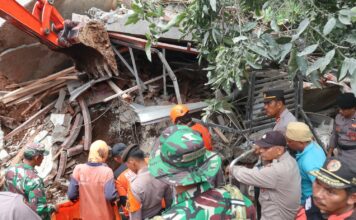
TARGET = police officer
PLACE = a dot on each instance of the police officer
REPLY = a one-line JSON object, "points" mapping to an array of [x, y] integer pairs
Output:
{"points": [[275, 106], [344, 133], [334, 191], [279, 179], [180, 159]]}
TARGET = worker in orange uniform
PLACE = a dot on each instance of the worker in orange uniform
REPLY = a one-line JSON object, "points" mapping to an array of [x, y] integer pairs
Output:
{"points": [[180, 116]]}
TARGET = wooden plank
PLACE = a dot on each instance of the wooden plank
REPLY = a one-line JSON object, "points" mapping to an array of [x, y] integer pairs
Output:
{"points": [[29, 121], [33, 90], [221, 135], [132, 89], [75, 150], [39, 99], [60, 100], [74, 132], [62, 165], [87, 123]]}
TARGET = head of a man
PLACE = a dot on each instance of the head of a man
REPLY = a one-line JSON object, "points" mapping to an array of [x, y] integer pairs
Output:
{"points": [[180, 115], [34, 153], [134, 158], [298, 135], [271, 146], [117, 151], [334, 190], [274, 102], [347, 104]]}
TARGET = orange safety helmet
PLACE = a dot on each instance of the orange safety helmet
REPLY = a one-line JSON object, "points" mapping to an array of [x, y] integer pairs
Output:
{"points": [[178, 111]]}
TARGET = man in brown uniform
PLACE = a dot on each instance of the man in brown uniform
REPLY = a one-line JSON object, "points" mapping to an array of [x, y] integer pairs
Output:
{"points": [[146, 194], [275, 106], [344, 134], [279, 179]]}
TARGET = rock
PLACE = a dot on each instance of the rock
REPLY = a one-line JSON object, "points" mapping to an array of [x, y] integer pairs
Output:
{"points": [[59, 133], [4, 156]]}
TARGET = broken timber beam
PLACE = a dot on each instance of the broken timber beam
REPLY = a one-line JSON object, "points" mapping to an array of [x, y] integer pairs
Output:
{"points": [[87, 123], [62, 165], [132, 89], [30, 120], [74, 132], [75, 150], [35, 102]]}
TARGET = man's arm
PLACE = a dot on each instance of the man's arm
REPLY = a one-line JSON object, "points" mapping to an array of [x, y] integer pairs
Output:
{"points": [[37, 198], [73, 189], [266, 177], [110, 191]]}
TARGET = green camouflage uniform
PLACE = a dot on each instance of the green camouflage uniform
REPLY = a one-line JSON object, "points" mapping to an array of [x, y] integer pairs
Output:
{"points": [[179, 158], [23, 179]]}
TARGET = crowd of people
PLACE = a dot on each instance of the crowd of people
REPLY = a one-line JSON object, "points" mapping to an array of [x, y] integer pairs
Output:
{"points": [[183, 177]]}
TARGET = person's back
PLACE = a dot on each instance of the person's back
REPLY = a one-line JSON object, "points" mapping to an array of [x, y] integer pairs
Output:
{"points": [[91, 180], [13, 207], [93, 184]]}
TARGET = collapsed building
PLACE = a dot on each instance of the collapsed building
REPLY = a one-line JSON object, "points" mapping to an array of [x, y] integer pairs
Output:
{"points": [[45, 98]]}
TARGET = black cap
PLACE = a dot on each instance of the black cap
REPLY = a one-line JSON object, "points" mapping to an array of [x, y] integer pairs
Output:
{"points": [[346, 101], [337, 172], [273, 95], [127, 151], [118, 149], [271, 139]]}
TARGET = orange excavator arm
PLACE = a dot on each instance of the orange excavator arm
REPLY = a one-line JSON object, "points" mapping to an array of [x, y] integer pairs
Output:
{"points": [[44, 22]]}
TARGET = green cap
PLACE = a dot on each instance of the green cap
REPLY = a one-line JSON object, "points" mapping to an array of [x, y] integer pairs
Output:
{"points": [[179, 157], [35, 149]]}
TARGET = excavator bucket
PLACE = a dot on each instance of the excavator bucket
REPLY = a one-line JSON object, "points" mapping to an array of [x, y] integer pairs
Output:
{"points": [[89, 46]]}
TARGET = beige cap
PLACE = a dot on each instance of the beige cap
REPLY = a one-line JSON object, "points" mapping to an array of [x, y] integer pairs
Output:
{"points": [[299, 131]]}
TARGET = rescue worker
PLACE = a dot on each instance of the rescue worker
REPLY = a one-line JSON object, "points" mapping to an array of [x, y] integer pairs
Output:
{"points": [[344, 134], [23, 179], [93, 184], [334, 190], [146, 194], [278, 179], [116, 153], [180, 116], [13, 207], [310, 156], [180, 159], [275, 106]]}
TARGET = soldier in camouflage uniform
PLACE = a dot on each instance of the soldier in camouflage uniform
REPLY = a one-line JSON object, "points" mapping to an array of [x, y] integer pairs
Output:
{"points": [[23, 179], [180, 159]]}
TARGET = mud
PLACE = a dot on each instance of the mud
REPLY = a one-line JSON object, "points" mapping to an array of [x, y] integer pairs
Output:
{"points": [[93, 49]]}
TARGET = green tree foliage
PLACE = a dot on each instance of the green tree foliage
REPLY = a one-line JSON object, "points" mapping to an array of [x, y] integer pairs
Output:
{"points": [[312, 37]]}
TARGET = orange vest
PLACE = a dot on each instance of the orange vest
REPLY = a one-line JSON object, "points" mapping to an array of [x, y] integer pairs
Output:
{"points": [[205, 135]]}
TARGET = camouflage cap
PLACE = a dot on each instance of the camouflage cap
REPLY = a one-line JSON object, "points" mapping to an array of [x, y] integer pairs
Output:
{"points": [[34, 149], [179, 157]]}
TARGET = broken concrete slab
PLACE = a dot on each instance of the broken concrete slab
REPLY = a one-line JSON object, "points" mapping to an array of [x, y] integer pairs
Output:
{"points": [[46, 166], [40, 136], [59, 133], [60, 119]]}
